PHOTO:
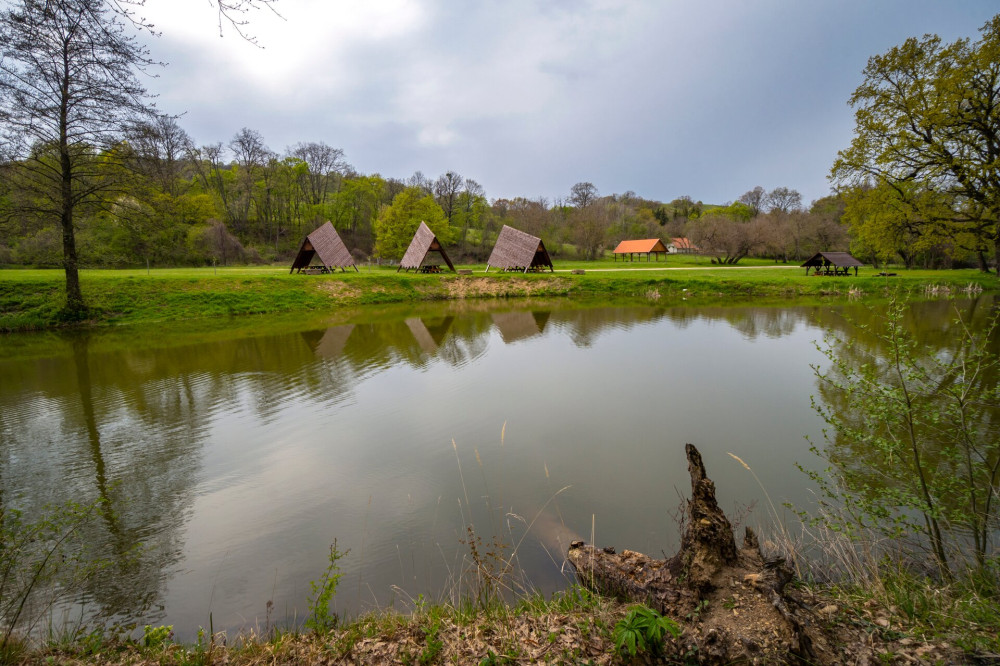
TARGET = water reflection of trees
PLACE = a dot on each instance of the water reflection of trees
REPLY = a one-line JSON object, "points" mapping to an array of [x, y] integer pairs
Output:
{"points": [[958, 451], [129, 425]]}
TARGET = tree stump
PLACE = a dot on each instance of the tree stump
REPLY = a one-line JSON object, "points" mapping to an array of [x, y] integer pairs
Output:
{"points": [[731, 602]]}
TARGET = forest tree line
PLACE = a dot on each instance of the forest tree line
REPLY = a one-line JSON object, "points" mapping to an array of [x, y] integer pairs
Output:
{"points": [[166, 202], [113, 182]]}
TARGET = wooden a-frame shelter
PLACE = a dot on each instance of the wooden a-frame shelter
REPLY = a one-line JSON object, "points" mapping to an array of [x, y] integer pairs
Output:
{"points": [[424, 242], [518, 251], [324, 244]]}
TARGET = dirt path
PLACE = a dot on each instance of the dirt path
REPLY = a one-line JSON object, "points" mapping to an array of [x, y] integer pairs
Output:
{"points": [[675, 268]]}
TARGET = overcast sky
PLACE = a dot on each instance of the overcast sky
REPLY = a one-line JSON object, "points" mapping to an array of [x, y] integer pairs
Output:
{"points": [[706, 98]]}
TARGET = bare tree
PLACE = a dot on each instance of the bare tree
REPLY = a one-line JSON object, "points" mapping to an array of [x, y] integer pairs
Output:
{"points": [[446, 191], [232, 12], [325, 164], [209, 163], [784, 200], [755, 200], [418, 179], [250, 155], [590, 226], [583, 194], [727, 239], [160, 148], [69, 87]]}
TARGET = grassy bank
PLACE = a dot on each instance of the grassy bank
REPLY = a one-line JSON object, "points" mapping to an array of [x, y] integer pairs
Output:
{"points": [[573, 627], [32, 299]]}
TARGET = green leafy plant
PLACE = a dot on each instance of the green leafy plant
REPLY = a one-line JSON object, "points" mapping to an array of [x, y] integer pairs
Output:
{"points": [[156, 638], [434, 644], [642, 630], [42, 564], [700, 608], [321, 618], [914, 437]]}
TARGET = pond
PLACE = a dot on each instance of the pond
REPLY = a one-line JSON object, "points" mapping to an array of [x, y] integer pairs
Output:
{"points": [[236, 453]]}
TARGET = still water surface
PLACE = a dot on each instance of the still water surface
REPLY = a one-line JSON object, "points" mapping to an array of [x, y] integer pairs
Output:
{"points": [[236, 456]]}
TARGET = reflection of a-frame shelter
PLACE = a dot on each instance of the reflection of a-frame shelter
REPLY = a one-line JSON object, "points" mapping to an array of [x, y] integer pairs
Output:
{"points": [[514, 326], [518, 251], [324, 244], [424, 242], [329, 343], [429, 337]]}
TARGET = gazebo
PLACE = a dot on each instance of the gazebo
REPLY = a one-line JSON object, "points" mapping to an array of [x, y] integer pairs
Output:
{"points": [[832, 263], [518, 251], [424, 242], [648, 246], [324, 244]]}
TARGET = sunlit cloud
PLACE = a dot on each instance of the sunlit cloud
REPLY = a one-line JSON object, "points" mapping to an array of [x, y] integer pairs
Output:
{"points": [[530, 96]]}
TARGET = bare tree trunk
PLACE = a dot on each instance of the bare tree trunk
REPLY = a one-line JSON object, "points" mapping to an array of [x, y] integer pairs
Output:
{"points": [[75, 306], [996, 249]]}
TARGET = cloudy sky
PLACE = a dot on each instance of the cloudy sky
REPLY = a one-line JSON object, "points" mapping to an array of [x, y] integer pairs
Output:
{"points": [[704, 98]]}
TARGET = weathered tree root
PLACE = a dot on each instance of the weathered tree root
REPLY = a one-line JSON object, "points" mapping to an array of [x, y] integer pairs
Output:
{"points": [[732, 603]]}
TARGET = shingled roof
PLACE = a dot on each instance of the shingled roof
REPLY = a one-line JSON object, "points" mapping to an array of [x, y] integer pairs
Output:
{"points": [[424, 241], [325, 244], [516, 250], [841, 259]]}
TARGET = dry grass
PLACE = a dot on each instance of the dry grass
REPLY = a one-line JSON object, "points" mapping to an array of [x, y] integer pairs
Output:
{"points": [[572, 628]]}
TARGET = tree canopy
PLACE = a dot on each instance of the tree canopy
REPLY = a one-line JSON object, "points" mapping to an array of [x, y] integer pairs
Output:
{"points": [[927, 119], [397, 223], [69, 88]]}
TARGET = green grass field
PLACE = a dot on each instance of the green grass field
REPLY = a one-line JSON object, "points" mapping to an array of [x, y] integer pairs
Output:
{"points": [[32, 299]]}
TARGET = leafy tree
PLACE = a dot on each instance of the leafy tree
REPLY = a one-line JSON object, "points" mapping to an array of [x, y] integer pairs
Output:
{"points": [[69, 87], [914, 438], [831, 206], [892, 221], [472, 207], [927, 116], [355, 208], [736, 211], [397, 223], [685, 208]]}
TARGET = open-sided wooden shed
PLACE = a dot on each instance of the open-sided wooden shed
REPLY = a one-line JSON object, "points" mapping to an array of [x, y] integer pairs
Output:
{"points": [[518, 251], [424, 242], [323, 244], [832, 263], [629, 248]]}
